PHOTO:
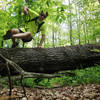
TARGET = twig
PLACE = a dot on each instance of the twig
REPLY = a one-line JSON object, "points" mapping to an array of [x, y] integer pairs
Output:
{"points": [[9, 78], [21, 81]]}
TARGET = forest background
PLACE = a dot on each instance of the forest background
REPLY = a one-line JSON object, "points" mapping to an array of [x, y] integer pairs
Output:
{"points": [[70, 22]]}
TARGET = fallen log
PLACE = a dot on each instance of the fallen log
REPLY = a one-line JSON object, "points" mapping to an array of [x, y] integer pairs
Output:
{"points": [[23, 73], [50, 60]]}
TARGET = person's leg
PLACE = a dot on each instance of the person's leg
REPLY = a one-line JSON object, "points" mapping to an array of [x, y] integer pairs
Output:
{"points": [[13, 40], [25, 35], [21, 35], [14, 43], [42, 40]]}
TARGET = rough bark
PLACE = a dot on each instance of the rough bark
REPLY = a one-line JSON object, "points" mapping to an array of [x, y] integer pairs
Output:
{"points": [[49, 60], [25, 74]]}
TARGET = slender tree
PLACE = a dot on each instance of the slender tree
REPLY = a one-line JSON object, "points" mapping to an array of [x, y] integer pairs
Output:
{"points": [[70, 23]]}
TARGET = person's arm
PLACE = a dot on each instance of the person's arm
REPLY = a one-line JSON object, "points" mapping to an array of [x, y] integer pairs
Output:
{"points": [[28, 10], [42, 40]]}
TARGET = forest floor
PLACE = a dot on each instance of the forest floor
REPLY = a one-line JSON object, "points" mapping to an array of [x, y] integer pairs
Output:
{"points": [[81, 92]]}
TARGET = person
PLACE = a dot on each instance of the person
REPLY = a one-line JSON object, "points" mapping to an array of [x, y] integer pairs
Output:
{"points": [[19, 34], [35, 25]]}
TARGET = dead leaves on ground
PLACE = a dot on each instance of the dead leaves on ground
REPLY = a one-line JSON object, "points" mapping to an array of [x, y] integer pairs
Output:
{"points": [[82, 92]]}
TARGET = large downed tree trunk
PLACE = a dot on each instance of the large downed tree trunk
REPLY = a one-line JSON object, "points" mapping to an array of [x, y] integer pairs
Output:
{"points": [[49, 60]]}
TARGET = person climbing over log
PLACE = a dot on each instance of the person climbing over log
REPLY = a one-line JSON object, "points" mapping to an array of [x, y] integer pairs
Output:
{"points": [[34, 25]]}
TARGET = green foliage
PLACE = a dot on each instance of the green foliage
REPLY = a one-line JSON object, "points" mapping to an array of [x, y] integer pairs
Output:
{"points": [[76, 21], [95, 50], [82, 76], [29, 82]]}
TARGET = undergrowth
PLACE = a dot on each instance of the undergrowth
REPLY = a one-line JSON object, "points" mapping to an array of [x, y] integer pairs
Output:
{"points": [[82, 76]]}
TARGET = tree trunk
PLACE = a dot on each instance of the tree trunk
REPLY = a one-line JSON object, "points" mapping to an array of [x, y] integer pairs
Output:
{"points": [[50, 60], [70, 23], [99, 1]]}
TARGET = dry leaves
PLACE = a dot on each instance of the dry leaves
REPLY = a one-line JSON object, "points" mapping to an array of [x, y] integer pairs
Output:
{"points": [[82, 92]]}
